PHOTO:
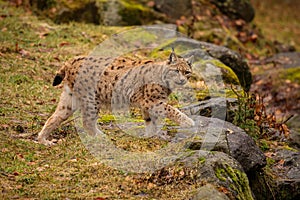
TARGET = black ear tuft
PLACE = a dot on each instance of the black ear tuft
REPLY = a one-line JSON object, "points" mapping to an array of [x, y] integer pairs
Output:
{"points": [[57, 80], [190, 60], [172, 57]]}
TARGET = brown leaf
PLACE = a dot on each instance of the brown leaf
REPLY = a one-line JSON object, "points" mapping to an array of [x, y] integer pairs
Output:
{"points": [[223, 190], [281, 162], [64, 44]]}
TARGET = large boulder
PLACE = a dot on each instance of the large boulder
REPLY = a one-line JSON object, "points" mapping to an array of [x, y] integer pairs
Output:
{"points": [[230, 139]]}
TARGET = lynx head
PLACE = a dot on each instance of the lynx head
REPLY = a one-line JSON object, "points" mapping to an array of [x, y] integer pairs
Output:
{"points": [[177, 71]]}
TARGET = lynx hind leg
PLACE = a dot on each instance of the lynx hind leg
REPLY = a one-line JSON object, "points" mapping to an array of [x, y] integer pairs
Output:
{"points": [[90, 111], [162, 110], [63, 111]]}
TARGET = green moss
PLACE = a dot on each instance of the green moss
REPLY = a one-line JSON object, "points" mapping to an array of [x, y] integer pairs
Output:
{"points": [[289, 148], [220, 174], [293, 74], [202, 160], [270, 161], [237, 179], [107, 118], [263, 144]]}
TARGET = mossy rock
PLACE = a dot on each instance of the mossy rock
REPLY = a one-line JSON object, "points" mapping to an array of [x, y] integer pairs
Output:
{"points": [[219, 171]]}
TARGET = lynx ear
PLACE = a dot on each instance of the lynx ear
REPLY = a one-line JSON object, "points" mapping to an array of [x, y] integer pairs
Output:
{"points": [[190, 60], [172, 57]]}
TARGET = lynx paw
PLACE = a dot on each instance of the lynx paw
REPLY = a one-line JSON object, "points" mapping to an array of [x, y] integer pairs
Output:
{"points": [[45, 142], [188, 122]]}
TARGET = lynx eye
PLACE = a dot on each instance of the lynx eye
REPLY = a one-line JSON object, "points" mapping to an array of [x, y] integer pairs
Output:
{"points": [[176, 70], [187, 73]]}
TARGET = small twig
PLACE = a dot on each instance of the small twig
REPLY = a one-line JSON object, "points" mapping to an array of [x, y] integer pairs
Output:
{"points": [[290, 117], [69, 121]]}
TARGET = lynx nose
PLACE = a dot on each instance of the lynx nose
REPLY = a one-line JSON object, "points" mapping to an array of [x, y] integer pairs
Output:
{"points": [[182, 81]]}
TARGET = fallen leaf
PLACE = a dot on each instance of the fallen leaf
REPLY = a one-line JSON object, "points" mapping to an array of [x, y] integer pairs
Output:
{"points": [[223, 190], [64, 44], [281, 162]]}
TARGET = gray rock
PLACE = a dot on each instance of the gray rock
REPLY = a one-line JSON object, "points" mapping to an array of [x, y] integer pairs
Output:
{"points": [[212, 108], [208, 192], [294, 139], [287, 59], [236, 9], [233, 60], [294, 126], [243, 149], [291, 164]]}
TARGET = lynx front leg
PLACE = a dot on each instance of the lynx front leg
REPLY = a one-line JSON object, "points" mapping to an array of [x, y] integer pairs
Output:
{"points": [[161, 109], [151, 124], [63, 111]]}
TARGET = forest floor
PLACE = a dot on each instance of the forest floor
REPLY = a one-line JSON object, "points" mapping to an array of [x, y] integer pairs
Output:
{"points": [[31, 51], [279, 20], [276, 78]]}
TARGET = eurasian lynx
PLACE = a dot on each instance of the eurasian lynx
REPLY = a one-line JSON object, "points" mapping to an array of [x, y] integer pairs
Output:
{"points": [[144, 84]]}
